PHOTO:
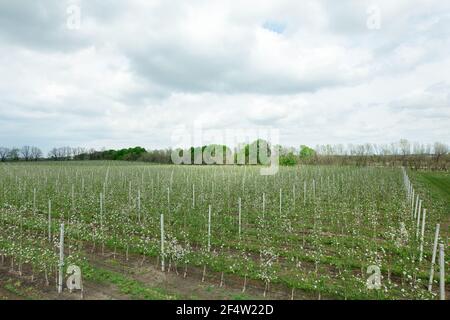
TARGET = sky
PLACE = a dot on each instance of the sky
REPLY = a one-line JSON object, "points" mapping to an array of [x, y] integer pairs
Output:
{"points": [[115, 74]]}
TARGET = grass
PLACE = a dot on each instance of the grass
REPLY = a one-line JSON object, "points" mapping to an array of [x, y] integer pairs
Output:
{"points": [[434, 187], [439, 185], [15, 287], [240, 296], [127, 286]]}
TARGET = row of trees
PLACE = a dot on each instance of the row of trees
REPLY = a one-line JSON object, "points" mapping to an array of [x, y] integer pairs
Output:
{"points": [[67, 153], [31, 153], [130, 154], [257, 152], [401, 148], [414, 155], [27, 153]]}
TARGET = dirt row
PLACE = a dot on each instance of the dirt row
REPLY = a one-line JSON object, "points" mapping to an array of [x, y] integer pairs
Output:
{"points": [[14, 286], [213, 287], [196, 284]]}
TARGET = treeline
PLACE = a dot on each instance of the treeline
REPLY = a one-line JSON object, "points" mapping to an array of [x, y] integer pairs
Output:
{"points": [[257, 152], [26, 153], [130, 154], [403, 153], [192, 155], [30, 153]]}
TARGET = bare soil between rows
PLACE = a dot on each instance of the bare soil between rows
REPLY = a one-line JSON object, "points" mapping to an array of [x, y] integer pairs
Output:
{"points": [[148, 274]]}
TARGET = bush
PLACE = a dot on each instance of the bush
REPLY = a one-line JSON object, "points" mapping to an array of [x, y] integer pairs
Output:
{"points": [[288, 160]]}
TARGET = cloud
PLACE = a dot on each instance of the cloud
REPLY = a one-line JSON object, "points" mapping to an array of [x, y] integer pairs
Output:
{"points": [[136, 69]]}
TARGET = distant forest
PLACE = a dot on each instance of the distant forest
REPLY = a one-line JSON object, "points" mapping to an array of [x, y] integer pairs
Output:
{"points": [[414, 155]]}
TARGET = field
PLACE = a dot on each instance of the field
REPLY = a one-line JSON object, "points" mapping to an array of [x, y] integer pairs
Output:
{"points": [[436, 187], [309, 232]]}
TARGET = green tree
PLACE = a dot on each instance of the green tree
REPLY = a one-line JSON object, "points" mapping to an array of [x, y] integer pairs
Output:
{"points": [[306, 152], [289, 159]]}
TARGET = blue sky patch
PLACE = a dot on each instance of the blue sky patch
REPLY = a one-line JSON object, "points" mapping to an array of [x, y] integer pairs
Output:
{"points": [[274, 26]]}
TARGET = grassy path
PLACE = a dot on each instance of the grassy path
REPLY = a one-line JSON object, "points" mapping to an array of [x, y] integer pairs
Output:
{"points": [[435, 188]]}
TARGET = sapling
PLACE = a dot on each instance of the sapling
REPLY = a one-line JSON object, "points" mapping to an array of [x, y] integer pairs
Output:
{"points": [[267, 272], [34, 201], [162, 242], [416, 207], [168, 203], [239, 217], [280, 201], [441, 272], [293, 193], [193, 196], [314, 189], [129, 193], [209, 228], [304, 193], [61, 258], [186, 256], [263, 204], [422, 234], [49, 221], [433, 258], [101, 224], [139, 205], [174, 251], [73, 199], [245, 263], [418, 219]]}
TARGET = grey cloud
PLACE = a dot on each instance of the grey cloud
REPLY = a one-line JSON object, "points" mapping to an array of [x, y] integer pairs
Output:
{"points": [[38, 24], [136, 69]]}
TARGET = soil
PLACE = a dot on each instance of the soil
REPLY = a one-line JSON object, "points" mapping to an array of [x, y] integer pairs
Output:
{"points": [[148, 274], [18, 287]]}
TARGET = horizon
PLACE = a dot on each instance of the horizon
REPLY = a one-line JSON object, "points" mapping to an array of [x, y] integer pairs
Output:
{"points": [[401, 147]]}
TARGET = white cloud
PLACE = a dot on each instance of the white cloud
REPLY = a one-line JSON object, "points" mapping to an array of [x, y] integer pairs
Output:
{"points": [[136, 69]]}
